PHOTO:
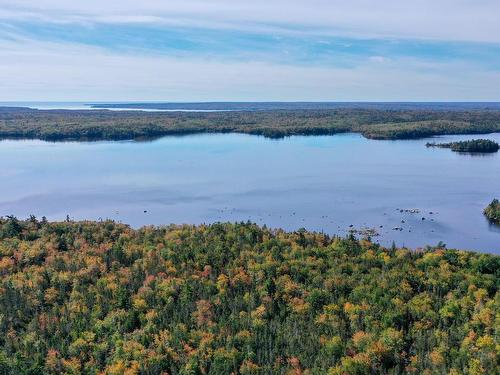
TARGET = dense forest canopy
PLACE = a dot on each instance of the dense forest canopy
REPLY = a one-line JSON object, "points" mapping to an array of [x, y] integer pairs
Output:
{"points": [[56, 125], [492, 211], [474, 145], [92, 297]]}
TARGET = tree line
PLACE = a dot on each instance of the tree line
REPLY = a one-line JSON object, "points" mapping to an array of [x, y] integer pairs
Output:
{"points": [[60, 125]]}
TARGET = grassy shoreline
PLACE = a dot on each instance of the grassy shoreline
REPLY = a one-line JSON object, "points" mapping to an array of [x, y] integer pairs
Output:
{"points": [[80, 125]]}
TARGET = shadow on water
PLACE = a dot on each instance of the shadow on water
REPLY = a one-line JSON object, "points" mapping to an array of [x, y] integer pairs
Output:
{"points": [[477, 154], [493, 227]]}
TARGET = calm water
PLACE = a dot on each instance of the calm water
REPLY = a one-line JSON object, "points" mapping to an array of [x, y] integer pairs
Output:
{"points": [[321, 183], [116, 106]]}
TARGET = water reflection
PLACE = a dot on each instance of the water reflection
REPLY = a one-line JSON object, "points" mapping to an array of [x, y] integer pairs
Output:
{"points": [[334, 184]]}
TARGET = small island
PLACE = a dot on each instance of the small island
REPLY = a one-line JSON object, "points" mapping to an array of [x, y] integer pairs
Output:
{"points": [[492, 211], [475, 146]]}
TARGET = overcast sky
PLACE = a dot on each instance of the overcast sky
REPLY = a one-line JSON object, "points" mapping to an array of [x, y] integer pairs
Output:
{"points": [[357, 50]]}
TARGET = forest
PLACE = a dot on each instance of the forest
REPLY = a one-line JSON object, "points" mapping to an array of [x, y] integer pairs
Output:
{"points": [[84, 125], [474, 145], [101, 297], [492, 211]]}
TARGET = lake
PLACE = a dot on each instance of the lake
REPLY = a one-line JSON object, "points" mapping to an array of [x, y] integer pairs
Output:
{"points": [[323, 183]]}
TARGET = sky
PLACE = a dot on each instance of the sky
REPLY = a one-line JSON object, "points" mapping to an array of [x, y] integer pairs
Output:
{"points": [[260, 50]]}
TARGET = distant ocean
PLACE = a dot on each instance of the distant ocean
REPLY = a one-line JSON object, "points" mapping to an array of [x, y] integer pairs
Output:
{"points": [[114, 106], [252, 106]]}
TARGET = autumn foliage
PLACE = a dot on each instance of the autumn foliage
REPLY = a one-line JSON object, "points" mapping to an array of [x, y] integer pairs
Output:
{"points": [[102, 298]]}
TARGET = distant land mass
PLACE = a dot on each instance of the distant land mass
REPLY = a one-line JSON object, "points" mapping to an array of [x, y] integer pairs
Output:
{"points": [[266, 106], [373, 123]]}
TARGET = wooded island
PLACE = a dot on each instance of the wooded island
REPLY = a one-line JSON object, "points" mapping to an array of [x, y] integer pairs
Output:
{"points": [[472, 146], [492, 211]]}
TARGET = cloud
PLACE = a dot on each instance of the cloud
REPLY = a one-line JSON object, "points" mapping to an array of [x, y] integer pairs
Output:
{"points": [[35, 70], [379, 59], [238, 50], [452, 20]]}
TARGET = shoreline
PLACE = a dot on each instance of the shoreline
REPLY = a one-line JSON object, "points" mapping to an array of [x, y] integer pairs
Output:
{"points": [[85, 125], [351, 233]]}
